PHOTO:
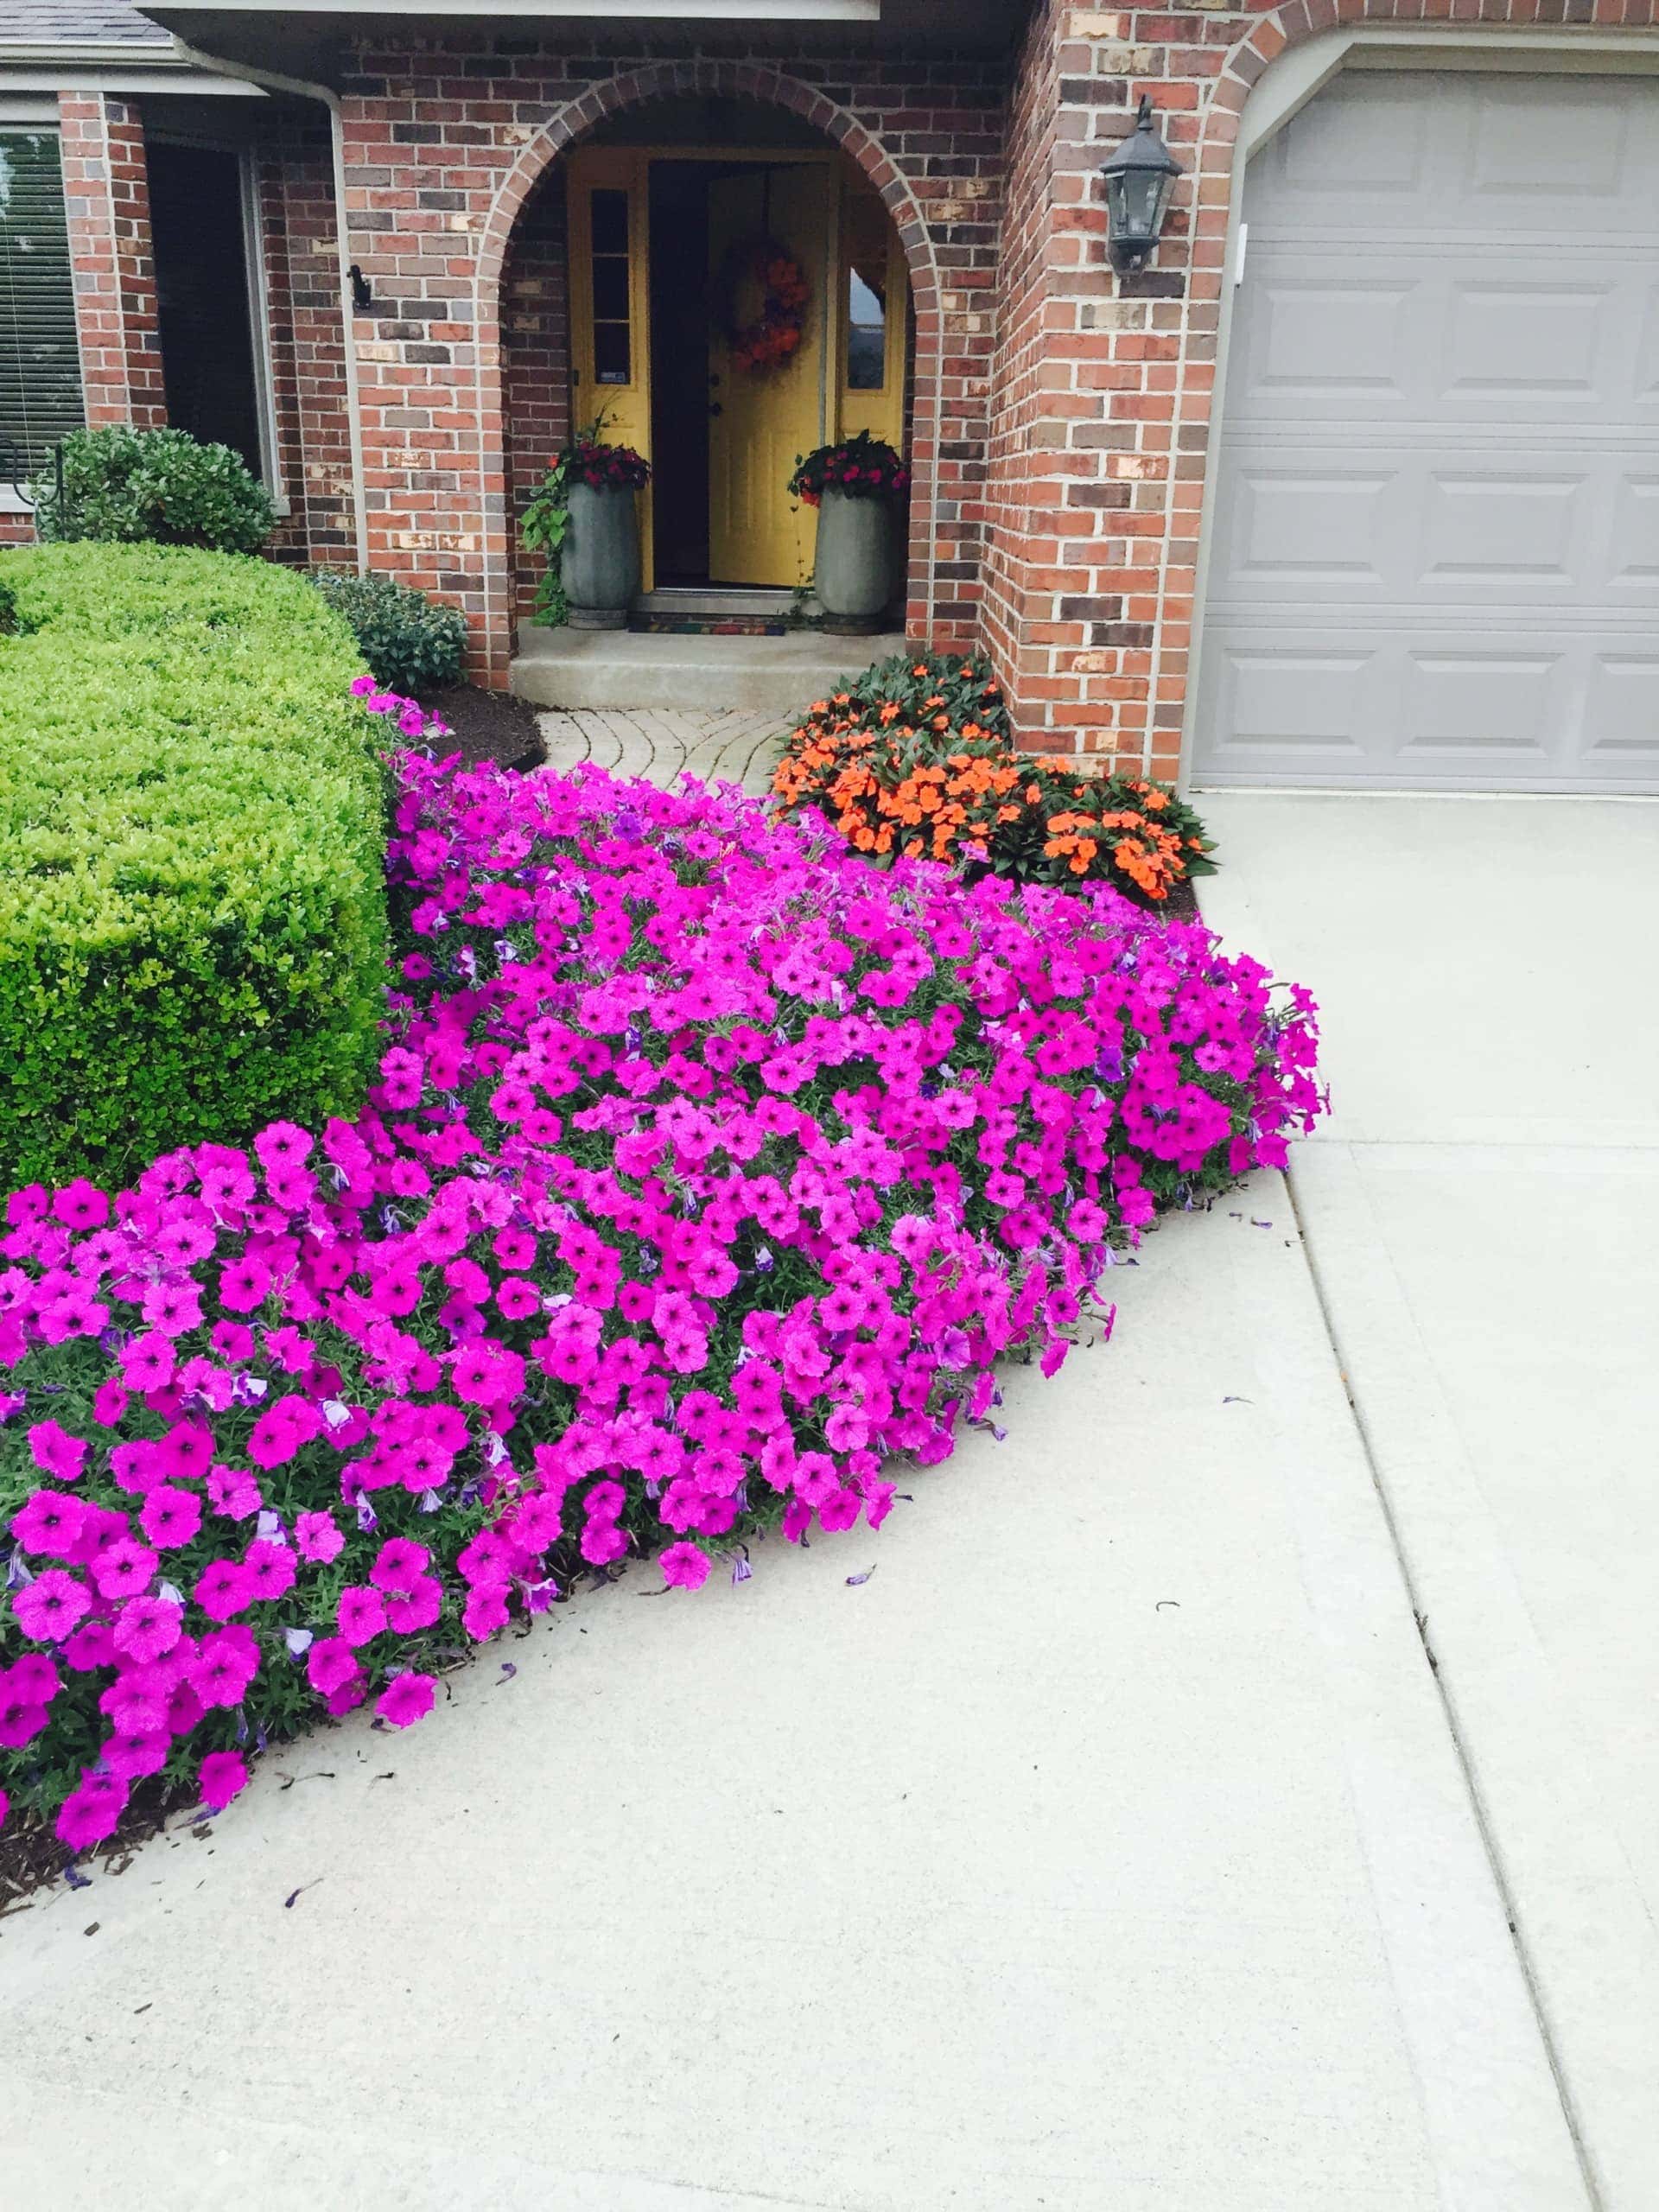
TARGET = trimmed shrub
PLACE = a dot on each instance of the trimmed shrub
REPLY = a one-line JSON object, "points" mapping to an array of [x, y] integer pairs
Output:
{"points": [[192, 887], [915, 758], [411, 645], [159, 487]]}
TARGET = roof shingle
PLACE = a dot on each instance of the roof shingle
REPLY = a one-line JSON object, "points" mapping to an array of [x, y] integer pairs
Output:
{"points": [[78, 23]]}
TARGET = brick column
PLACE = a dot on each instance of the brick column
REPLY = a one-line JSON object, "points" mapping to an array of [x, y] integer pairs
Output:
{"points": [[106, 197]]}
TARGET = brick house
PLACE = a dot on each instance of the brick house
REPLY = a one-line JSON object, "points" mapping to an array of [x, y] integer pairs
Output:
{"points": [[1356, 482]]}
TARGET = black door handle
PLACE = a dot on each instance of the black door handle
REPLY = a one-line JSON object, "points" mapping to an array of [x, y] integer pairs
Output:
{"points": [[714, 407]]}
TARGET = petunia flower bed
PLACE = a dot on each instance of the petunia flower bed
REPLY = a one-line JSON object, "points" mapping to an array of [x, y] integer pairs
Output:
{"points": [[707, 1170]]}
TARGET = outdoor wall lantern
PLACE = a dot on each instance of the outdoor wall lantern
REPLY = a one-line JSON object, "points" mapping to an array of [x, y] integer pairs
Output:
{"points": [[1140, 178]]}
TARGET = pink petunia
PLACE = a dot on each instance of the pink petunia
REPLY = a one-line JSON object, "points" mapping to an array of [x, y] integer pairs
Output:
{"points": [[223, 1589], [50, 1522], [170, 1516], [685, 1567], [317, 1536], [56, 1453], [407, 1699], [129, 1757], [81, 1205], [48, 1608], [223, 1775], [147, 1362], [227, 1662], [109, 1403], [330, 1664], [269, 1568], [243, 1284], [485, 1610], [146, 1628], [92, 1645], [361, 1613], [399, 1566], [124, 1568], [419, 1609], [91, 1812]]}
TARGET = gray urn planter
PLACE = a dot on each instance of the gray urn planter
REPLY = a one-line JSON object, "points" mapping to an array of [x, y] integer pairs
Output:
{"points": [[853, 571], [599, 559]]}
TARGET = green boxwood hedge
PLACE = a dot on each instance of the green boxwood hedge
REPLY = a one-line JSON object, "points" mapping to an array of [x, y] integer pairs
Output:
{"points": [[193, 919]]}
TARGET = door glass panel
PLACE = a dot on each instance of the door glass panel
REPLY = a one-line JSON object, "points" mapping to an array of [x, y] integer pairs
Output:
{"points": [[610, 219], [613, 347], [866, 232], [867, 335], [610, 288], [611, 353]]}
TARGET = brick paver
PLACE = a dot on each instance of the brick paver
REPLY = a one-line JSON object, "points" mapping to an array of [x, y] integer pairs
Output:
{"points": [[735, 746]]}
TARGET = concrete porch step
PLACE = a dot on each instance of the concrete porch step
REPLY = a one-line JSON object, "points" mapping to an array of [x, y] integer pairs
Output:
{"points": [[608, 669], [713, 601]]}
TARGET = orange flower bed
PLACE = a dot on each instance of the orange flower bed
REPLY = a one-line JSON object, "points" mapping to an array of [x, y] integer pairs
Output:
{"points": [[915, 759]]}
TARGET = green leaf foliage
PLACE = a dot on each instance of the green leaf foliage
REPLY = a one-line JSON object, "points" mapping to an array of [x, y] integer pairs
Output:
{"points": [[411, 645], [193, 917], [160, 487]]}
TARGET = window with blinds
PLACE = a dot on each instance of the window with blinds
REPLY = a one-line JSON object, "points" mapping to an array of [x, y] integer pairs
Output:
{"points": [[39, 362]]}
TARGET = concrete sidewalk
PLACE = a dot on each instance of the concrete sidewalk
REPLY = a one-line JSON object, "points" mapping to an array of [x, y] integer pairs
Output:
{"points": [[1105, 1851], [1483, 1216]]}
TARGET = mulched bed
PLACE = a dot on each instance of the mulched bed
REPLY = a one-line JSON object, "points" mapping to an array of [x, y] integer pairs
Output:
{"points": [[489, 725]]}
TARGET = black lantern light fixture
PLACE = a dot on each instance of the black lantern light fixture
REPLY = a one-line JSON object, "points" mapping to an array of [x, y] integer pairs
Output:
{"points": [[1140, 178]]}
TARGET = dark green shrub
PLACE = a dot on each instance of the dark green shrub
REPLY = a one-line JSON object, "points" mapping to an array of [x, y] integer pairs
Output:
{"points": [[411, 645], [161, 487], [193, 925]]}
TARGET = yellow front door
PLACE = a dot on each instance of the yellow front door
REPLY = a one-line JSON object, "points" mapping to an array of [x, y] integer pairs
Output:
{"points": [[760, 420]]}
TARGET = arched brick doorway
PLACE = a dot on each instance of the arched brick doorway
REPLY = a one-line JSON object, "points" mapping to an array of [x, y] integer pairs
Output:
{"points": [[521, 354]]}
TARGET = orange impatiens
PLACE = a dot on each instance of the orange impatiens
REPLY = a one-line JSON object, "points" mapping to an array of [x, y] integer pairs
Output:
{"points": [[915, 759]]}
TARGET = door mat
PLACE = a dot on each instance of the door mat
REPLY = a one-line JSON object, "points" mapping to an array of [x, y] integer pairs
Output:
{"points": [[709, 625]]}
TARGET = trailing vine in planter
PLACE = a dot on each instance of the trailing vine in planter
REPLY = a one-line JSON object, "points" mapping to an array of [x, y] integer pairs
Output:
{"points": [[587, 459]]}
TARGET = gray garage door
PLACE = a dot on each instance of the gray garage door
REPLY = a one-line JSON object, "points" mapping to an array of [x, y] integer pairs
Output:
{"points": [[1435, 560]]}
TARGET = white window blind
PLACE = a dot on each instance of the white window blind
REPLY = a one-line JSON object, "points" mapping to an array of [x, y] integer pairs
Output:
{"points": [[39, 362]]}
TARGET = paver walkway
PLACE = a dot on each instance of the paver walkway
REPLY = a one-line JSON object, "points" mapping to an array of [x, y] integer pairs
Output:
{"points": [[738, 746], [1482, 1215]]}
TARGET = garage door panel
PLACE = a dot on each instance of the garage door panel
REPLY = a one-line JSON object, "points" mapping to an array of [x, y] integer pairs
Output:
{"points": [[1450, 526], [1473, 336], [1502, 532], [1497, 711], [1433, 552], [1459, 151], [1633, 562], [1313, 701], [1621, 716], [1515, 338]]}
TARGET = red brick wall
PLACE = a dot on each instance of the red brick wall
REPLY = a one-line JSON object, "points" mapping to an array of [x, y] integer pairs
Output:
{"points": [[446, 146], [307, 334], [536, 363], [107, 195]]}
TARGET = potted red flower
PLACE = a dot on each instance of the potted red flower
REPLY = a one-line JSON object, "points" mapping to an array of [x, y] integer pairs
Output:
{"points": [[585, 518], [857, 486]]}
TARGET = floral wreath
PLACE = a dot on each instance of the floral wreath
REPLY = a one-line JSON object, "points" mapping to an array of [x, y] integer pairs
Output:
{"points": [[775, 337]]}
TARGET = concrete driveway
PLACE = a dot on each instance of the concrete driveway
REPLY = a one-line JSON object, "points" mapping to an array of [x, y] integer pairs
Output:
{"points": [[1481, 1214]]}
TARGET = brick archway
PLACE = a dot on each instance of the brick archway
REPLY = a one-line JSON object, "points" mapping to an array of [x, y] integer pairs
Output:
{"points": [[566, 127]]}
